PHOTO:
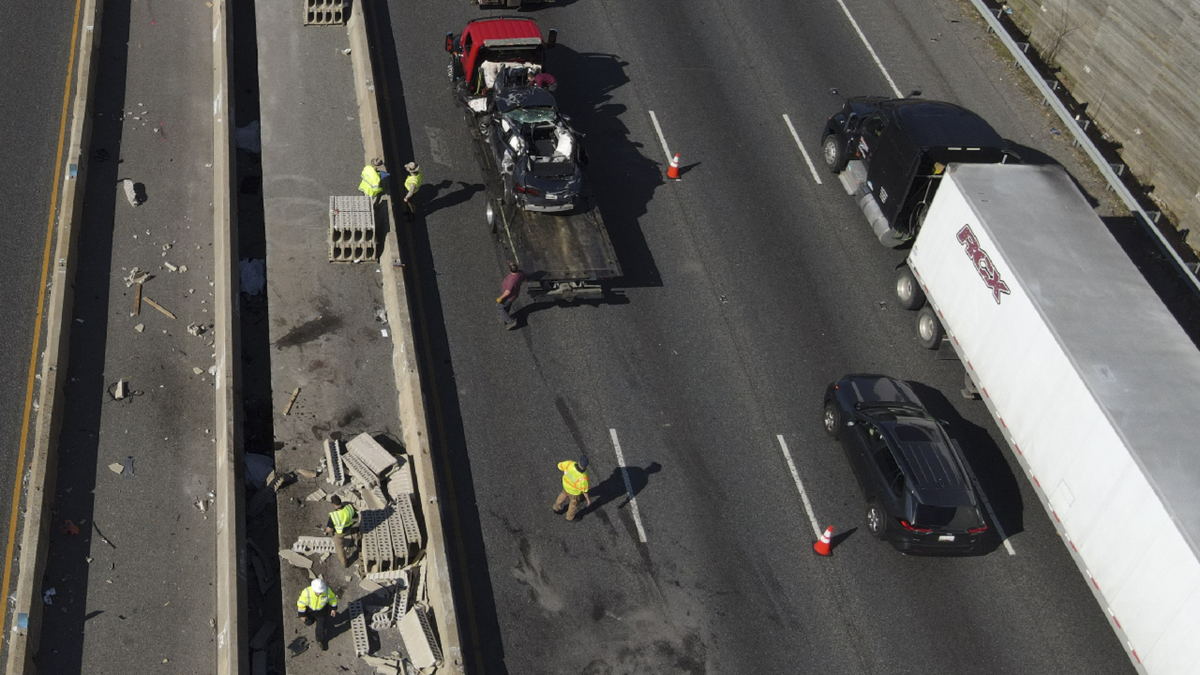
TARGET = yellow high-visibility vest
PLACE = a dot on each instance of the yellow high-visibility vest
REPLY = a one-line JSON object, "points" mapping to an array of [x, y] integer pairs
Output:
{"points": [[310, 599], [413, 183], [370, 185], [574, 482], [342, 518]]}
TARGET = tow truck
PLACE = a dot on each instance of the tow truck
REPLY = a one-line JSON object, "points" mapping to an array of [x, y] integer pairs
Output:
{"points": [[567, 255]]}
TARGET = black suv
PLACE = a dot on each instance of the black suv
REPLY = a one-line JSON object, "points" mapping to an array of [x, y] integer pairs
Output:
{"points": [[919, 496]]}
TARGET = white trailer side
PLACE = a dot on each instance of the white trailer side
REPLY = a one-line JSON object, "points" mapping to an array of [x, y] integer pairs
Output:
{"points": [[1093, 382]]}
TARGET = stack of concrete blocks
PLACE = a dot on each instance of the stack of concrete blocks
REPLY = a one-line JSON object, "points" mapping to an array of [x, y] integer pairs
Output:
{"points": [[388, 522], [324, 12], [352, 229]]}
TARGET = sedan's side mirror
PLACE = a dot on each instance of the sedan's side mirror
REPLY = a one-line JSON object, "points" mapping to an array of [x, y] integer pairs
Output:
{"points": [[450, 42], [552, 38]]}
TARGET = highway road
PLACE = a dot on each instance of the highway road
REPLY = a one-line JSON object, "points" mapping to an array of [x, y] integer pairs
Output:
{"points": [[35, 49], [750, 286]]}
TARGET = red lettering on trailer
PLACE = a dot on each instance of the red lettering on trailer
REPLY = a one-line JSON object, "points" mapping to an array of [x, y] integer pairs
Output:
{"points": [[983, 263]]}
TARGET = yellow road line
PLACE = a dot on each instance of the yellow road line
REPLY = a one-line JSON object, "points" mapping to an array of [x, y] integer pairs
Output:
{"points": [[37, 326]]}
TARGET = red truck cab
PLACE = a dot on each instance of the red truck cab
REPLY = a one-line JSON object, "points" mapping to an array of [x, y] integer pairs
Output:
{"points": [[485, 43]]}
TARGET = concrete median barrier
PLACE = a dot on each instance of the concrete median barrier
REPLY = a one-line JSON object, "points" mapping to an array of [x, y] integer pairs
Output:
{"points": [[26, 616]]}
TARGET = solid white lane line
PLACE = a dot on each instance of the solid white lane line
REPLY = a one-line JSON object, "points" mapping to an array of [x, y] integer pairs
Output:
{"points": [[804, 152], [869, 48], [637, 518], [799, 486], [988, 505], [662, 139]]}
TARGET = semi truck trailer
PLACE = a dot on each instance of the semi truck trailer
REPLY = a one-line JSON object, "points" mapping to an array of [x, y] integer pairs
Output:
{"points": [[1091, 380]]}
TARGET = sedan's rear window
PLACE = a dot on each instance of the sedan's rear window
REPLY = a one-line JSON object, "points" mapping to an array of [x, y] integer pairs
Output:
{"points": [[946, 517]]}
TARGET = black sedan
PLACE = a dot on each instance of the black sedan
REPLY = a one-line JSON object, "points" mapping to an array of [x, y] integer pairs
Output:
{"points": [[536, 149], [919, 494]]}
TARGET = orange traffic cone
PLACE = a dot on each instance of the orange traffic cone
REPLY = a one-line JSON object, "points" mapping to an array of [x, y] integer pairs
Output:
{"points": [[821, 547], [673, 170]]}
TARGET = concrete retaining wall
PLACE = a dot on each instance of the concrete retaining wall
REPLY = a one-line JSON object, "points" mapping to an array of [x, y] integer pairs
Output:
{"points": [[1137, 66], [35, 537]]}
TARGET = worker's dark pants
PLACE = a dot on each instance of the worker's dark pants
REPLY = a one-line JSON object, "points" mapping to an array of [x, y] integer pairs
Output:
{"points": [[321, 616], [505, 310]]}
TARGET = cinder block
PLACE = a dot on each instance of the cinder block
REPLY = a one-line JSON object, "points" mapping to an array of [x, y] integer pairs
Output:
{"points": [[360, 471], [306, 544], [358, 627], [422, 648], [366, 448], [412, 530], [400, 481], [335, 471], [352, 233], [400, 598], [324, 13]]}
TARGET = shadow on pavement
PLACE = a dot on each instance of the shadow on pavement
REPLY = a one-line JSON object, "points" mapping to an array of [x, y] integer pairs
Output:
{"points": [[483, 649], [613, 487], [622, 179], [987, 461], [67, 565]]}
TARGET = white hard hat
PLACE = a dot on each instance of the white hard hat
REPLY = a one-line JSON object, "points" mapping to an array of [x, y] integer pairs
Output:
{"points": [[319, 586]]}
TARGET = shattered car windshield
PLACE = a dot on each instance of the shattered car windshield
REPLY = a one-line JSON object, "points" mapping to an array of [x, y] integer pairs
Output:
{"points": [[531, 115]]}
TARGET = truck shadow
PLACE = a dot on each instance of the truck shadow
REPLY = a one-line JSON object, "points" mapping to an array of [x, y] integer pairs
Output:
{"points": [[622, 178], [1148, 256], [447, 438], [994, 475]]}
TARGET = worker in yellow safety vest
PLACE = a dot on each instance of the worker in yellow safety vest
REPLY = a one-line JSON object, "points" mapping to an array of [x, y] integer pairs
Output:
{"points": [[340, 523], [411, 185], [575, 484], [373, 175], [318, 603]]}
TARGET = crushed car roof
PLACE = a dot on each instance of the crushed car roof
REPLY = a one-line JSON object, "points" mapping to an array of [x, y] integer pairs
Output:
{"points": [[524, 97]]}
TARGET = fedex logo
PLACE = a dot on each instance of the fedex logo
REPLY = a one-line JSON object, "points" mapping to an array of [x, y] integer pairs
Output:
{"points": [[983, 263]]}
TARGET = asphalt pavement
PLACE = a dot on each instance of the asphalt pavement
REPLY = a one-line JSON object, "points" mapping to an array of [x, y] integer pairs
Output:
{"points": [[35, 48], [749, 287], [132, 557]]}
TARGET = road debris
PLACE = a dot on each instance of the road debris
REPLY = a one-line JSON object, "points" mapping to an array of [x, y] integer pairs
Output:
{"points": [[295, 558], [159, 307], [291, 401], [137, 300], [131, 192], [48, 596], [136, 276], [140, 327], [129, 467], [170, 267], [121, 390], [116, 467]]}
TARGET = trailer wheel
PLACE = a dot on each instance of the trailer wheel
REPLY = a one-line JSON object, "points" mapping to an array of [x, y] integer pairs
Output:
{"points": [[832, 419], [908, 291], [876, 520], [834, 153], [929, 329]]}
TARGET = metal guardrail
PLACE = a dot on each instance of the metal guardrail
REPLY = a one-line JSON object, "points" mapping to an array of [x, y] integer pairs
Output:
{"points": [[1080, 134]]}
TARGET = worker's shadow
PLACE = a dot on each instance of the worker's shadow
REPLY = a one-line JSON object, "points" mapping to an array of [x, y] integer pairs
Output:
{"points": [[441, 199], [614, 488]]}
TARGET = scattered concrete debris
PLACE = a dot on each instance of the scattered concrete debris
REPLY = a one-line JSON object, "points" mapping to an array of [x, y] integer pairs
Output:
{"points": [[202, 504], [140, 327], [381, 617], [266, 494], [183, 270], [291, 401], [307, 473], [295, 559], [116, 467], [121, 390], [159, 307], [48, 596], [198, 371], [136, 276], [131, 192], [196, 330], [317, 496], [170, 267]]}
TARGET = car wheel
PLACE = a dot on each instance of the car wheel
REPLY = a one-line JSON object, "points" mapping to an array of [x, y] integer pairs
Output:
{"points": [[929, 329], [510, 190], [834, 153], [908, 291], [876, 523], [832, 419]]}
